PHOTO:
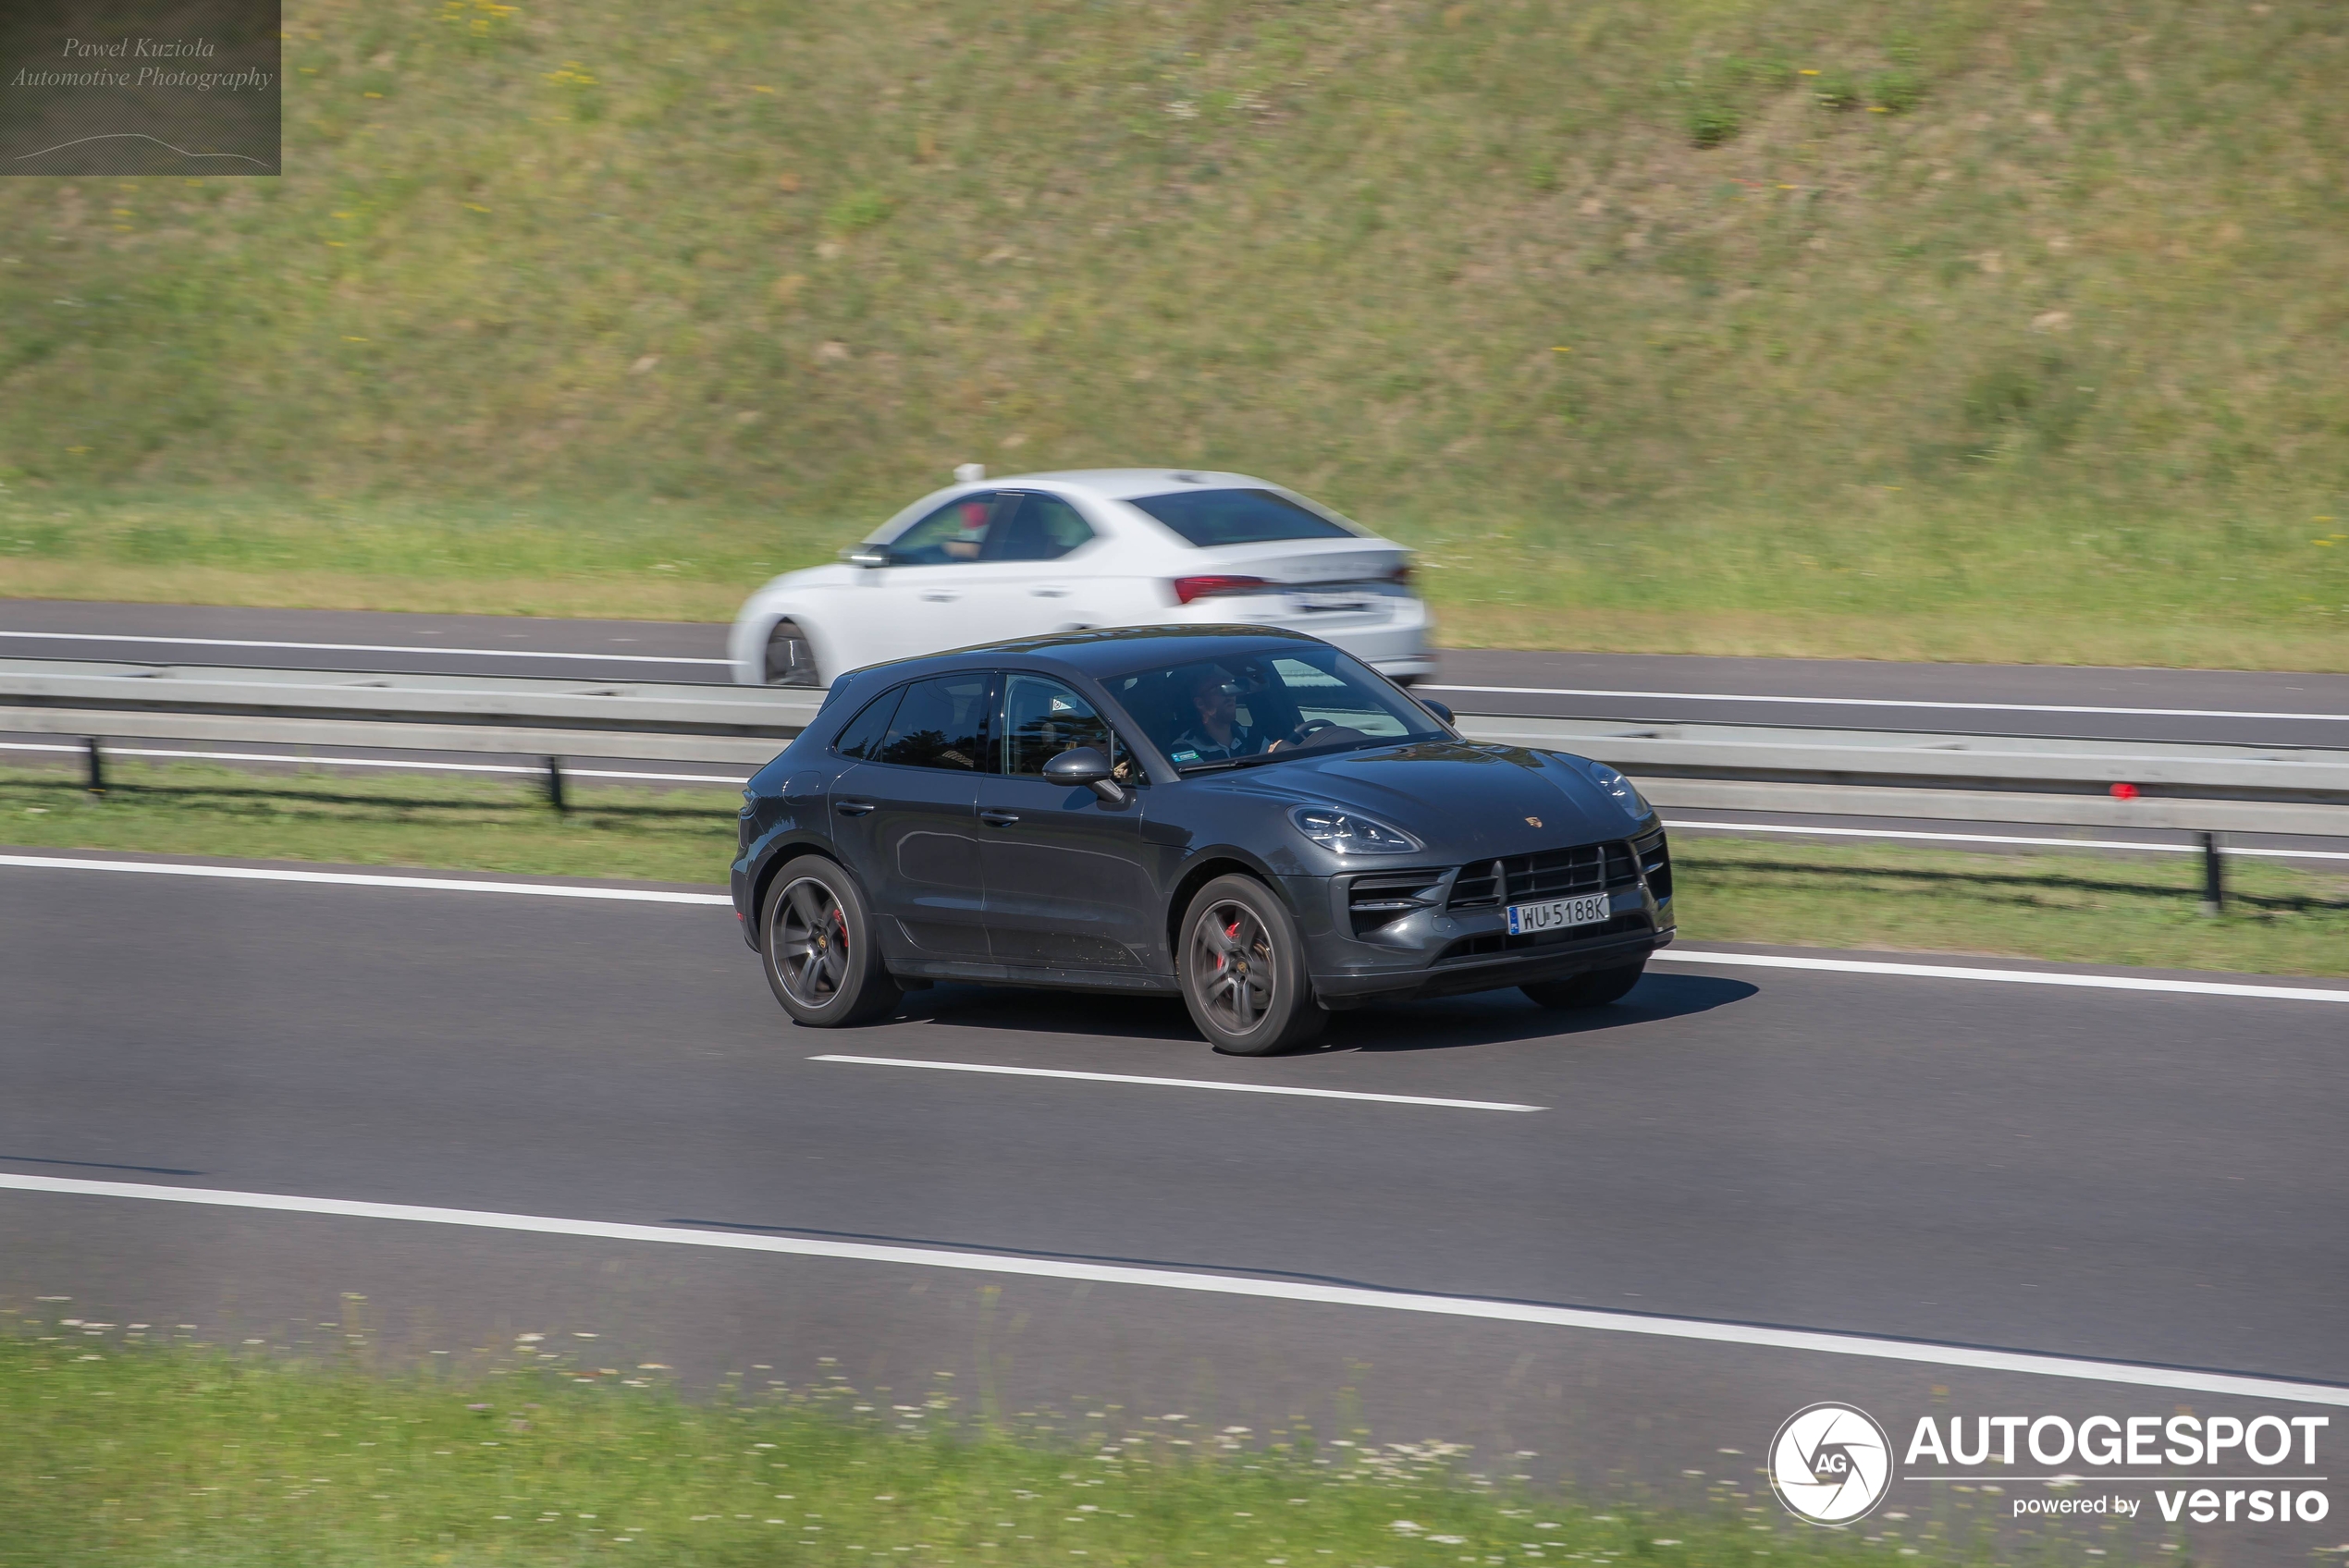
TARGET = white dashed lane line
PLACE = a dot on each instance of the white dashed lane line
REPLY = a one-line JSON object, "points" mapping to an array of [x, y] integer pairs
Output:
{"points": [[1175, 1083], [352, 647]]}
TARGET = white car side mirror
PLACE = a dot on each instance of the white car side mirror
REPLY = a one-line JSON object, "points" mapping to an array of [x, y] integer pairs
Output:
{"points": [[868, 555]]}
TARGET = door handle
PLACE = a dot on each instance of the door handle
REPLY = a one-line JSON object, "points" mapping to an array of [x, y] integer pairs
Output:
{"points": [[941, 596], [999, 818], [851, 808], [1050, 591]]}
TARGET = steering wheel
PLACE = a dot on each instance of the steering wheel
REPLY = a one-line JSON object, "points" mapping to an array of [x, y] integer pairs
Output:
{"points": [[1311, 727]]}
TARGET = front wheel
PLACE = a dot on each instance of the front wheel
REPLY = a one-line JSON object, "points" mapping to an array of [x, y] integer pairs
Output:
{"points": [[1243, 970], [1597, 988], [790, 659], [817, 942]]}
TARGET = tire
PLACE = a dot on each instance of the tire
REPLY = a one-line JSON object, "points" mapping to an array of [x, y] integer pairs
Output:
{"points": [[816, 943], [790, 659], [1597, 988], [1242, 966]]}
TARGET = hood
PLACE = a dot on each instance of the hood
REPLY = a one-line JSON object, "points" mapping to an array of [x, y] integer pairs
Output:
{"points": [[833, 574], [1464, 800]]}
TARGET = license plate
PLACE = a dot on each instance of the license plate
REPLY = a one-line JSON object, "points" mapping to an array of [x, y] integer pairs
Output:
{"points": [[1556, 914], [1326, 603]]}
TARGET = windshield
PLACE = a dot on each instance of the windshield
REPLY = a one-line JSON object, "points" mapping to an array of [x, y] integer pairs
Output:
{"points": [[1238, 516], [1264, 705]]}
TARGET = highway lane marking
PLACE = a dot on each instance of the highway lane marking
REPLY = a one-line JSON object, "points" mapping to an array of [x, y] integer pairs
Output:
{"points": [[1669, 955], [1175, 1083], [362, 879], [1986, 839], [350, 647], [1872, 702], [1826, 1343], [2009, 976]]}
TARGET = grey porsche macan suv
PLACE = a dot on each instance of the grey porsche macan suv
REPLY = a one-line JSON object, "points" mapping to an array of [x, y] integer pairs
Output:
{"points": [[1251, 818]]}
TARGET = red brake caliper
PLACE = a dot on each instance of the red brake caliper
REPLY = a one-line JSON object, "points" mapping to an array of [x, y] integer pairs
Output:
{"points": [[1222, 960]]}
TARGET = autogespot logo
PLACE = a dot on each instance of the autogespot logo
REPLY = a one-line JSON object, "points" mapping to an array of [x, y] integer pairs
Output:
{"points": [[1830, 1464]]}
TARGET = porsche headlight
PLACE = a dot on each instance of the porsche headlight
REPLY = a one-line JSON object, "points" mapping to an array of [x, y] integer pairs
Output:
{"points": [[1348, 833], [1625, 794]]}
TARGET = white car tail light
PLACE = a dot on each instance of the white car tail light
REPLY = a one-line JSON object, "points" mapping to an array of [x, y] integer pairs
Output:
{"points": [[1190, 588]]}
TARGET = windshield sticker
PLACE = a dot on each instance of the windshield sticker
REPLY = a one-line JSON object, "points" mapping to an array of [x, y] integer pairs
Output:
{"points": [[1186, 756]]}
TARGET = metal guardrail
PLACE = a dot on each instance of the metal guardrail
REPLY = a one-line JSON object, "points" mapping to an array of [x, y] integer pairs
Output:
{"points": [[2190, 787], [443, 712]]}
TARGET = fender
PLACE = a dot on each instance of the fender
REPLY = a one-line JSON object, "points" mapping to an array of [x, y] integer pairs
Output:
{"points": [[757, 866], [746, 642]]}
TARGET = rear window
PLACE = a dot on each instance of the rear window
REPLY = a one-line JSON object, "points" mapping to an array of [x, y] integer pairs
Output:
{"points": [[940, 723], [1207, 517]]}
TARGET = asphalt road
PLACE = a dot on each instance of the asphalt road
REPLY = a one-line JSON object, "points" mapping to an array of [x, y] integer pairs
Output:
{"points": [[2076, 1172], [2214, 706]]}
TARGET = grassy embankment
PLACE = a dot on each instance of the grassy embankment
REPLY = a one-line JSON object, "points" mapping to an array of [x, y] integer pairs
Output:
{"points": [[2083, 908], [1868, 327], [137, 1446]]}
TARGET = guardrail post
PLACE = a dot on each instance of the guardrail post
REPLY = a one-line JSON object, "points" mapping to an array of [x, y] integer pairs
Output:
{"points": [[555, 785], [97, 785], [2214, 882]]}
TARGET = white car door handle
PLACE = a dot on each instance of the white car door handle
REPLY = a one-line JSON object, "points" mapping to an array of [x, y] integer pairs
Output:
{"points": [[941, 596], [1050, 591]]}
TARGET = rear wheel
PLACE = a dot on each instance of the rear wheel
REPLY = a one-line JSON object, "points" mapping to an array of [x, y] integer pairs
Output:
{"points": [[790, 659], [1597, 988], [1243, 970], [817, 940]]}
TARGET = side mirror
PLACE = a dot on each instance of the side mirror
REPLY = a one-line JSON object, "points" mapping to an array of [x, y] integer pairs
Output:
{"points": [[1085, 765], [868, 555], [1438, 709]]}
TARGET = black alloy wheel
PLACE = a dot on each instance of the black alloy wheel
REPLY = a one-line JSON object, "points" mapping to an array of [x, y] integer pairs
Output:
{"points": [[1597, 988], [790, 659], [1243, 970], [821, 960]]}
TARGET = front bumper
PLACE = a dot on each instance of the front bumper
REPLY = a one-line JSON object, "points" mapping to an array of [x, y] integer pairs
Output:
{"points": [[1443, 950], [1496, 972]]}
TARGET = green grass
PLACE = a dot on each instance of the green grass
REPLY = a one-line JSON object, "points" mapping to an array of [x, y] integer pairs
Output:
{"points": [[2065, 908], [1868, 327], [116, 1448], [2068, 907]]}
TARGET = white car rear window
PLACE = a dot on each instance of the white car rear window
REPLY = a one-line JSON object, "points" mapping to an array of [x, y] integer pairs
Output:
{"points": [[1208, 518]]}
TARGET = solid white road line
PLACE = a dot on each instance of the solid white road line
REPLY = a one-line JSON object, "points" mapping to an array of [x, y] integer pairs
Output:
{"points": [[1670, 955], [2003, 838], [362, 879], [350, 647], [1876, 703], [2237, 1384], [380, 762], [2009, 976], [1175, 1083]]}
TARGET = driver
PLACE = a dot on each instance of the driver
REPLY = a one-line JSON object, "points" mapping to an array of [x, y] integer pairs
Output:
{"points": [[1218, 734]]}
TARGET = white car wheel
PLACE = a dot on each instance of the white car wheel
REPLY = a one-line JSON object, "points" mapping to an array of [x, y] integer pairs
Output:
{"points": [[790, 659]]}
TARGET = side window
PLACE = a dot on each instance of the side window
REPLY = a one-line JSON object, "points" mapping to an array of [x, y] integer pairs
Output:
{"points": [[940, 723], [1044, 528], [861, 737], [1042, 718], [955, 531]]}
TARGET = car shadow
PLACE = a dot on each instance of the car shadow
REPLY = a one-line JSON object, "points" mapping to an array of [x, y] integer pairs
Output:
{"points": [[1488, 1018], [1439, 1024]]}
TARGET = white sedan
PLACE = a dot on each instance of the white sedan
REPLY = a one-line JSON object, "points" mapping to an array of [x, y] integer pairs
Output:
{"points": [[1057, 552]]}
